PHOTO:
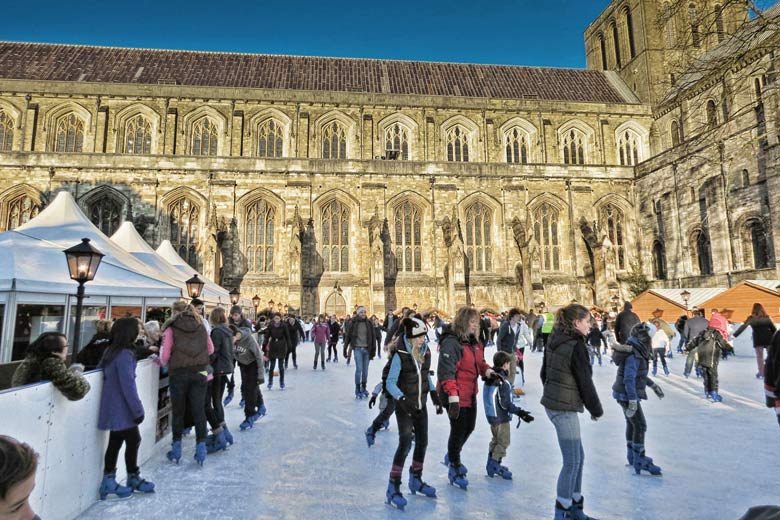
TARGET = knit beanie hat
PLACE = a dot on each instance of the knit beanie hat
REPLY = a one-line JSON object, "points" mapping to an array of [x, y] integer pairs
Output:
{"points": [[414, 327]]}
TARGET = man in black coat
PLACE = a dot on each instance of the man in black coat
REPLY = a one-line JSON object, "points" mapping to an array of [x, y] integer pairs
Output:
{"points": [[625, 322]]}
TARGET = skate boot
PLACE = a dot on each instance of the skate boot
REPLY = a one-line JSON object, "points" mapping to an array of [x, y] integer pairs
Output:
{"points": [[109, 486], [503, 471], [138, 484], [494, 468], [228, 435], [228, 399], [281, 386], [416, 485], [370, 436], [457, 476], [630, 453], [186, 431], [175, 454], [563, 513], [644, 463], [686, 374], [260, 413], [447, 462], [393, 495], [655, 370], [270, 385], [666, 371], [247, 424], [716, 397], [216, 442], [241, 403], [577, 510], [386, 424], [358, 393], [200, 453]]}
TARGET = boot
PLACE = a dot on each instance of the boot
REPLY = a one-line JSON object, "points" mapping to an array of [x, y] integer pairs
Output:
{"points": [[227, 399], [416, 485], [200, 453], [247, 424], [457, 476], [363, 391], [655, 370], [358, 393], [630, 453], [393, 495], [666, 371], [715, 396], [241, 403], [503, 471], [494, 468], [447, 462], [644, 463], [135, 481], [563, 513], [216, 442], [109, 486], [386, 424], [370, 436], [228, 435], [281, 386], [577, 510], [175, 454]]}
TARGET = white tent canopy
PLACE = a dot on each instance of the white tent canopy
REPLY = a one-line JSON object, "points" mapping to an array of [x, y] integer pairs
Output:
{"points": [[216, 292], [128, 239]]}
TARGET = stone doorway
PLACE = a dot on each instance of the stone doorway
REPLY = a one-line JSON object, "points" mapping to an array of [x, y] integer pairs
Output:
{"points": [[335, 304]]}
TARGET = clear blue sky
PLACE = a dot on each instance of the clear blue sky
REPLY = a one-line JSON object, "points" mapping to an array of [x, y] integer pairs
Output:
{"points": [[518, 32]]}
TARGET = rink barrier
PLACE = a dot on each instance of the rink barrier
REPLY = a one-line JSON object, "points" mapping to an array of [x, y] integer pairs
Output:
{"points": [[69, 444]]}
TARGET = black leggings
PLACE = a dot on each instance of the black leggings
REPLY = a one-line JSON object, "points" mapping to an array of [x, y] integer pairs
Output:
{"points": [[188, 394], [460, 430], [384, 415], [215, 412], [248, 388], [711, 378], [131, 438], [332, 347], [636, 426], [291, 351], [408, 426], [271, 372]]}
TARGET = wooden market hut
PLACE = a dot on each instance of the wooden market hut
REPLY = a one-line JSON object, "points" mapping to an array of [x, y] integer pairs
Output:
{"points": [[737, 302], [669, 304]]}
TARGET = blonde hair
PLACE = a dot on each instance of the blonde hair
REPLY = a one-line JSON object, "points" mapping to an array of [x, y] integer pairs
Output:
{"points": [[103, 326], [460, 324]]}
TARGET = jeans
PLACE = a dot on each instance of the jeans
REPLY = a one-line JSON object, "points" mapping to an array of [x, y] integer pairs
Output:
{"points": [[319, 354], [188, 393], [361, 365], [215, 412], [460, 430], [659, 352], [132, 440], [567, 427], [636, 426], [271, 372], [408, 425]]}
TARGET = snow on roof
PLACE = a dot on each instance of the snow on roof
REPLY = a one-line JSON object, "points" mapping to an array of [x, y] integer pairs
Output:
{"points": [[698, 295]]}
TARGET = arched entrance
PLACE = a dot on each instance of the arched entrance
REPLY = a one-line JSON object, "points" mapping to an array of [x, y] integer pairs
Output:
{"points": [[335, 304]]}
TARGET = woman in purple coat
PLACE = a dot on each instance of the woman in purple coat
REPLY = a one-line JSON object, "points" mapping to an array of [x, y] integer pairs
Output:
{"points": [[121, 411]]}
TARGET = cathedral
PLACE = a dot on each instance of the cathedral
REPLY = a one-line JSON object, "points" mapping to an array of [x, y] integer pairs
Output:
{"points": [[326, 183]]}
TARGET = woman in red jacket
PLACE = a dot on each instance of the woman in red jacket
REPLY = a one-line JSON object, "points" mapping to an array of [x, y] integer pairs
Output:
{"points": [[461, 362]]}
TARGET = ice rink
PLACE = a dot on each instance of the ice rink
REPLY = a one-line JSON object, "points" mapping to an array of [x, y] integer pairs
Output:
{"points": [[308, 457]]}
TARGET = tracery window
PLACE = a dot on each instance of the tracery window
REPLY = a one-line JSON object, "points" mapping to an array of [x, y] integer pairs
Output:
{"points": [[184, 223], [574, 142], [6, 132], [719, 23], [669, 28], [603, 51], [204, 137], [479, 250], [334, 141], [458, 144], [270, 139], [629, 148], [20, 210], [106, 214], [397, 140], [335, 236], [69, 136], [546, 234], [259, 237], [517, 142], [612, 223], [407, 233], [138, 136]]}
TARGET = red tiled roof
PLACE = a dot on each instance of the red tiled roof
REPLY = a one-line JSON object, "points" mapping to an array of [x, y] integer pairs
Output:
{"points": [[49, 62]]}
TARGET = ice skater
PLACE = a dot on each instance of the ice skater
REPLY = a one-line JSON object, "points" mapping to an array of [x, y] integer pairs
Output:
{"points": [[409, 383], [250, 362], [277, 343], [386, 409], [360, 340], [772, 376], [320, 333], [708, 347], [660, 343]]}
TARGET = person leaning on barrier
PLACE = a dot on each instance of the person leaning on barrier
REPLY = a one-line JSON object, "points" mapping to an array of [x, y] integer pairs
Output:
{"points": [[45, 361], [91, 354], [18, 463]]}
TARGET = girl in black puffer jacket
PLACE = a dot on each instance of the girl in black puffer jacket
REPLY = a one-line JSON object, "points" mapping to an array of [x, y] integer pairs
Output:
{"points": [[763, 330]]}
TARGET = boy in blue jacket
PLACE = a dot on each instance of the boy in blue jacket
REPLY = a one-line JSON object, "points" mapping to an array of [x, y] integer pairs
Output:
{"points": [[497, 398]]}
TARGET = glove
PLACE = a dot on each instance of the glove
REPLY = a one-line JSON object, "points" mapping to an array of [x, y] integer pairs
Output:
{"points": [[594, 418], [372, 401], [436, 402], [525, 416], [77, 367], [139, 419], [658, 391], [454, 410], [632, 407]]}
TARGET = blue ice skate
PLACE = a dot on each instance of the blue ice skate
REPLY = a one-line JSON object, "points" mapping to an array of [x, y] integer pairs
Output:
{"points": [[281, 386], [643, 463], [228, 435], [494, 468], [577, 510], [200, 453], [139, 484], [386, 424], [457, 476], [109, 486], [248, 423], [416, 485], [666, 371], [393, 495], [716, 397], [370, 436], [216, 442], [228, 399], [175, 454], [241, 403], [447, 462]]}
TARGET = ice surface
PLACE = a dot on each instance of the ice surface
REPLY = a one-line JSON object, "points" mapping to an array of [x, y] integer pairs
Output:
{"points": [[308, 459]]}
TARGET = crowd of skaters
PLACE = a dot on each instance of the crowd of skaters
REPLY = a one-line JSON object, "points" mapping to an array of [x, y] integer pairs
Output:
{"points": [[201, 353]]}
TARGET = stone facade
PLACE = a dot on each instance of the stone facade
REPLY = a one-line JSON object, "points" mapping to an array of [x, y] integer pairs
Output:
{"points": [[405, 190]]}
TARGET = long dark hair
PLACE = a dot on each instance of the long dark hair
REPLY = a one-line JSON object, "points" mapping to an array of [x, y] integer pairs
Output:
{"points": [[123, 335], [758, 311], [564, 320], [46, 344]]}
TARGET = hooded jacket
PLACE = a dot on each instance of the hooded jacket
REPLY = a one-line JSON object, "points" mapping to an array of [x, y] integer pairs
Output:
{"points": [[568, 377], [497, 399], [624, 322], [246, 350], [190, 343], [763, 330], [709, 345], [461, 362], [222, 358], [632, 360]]}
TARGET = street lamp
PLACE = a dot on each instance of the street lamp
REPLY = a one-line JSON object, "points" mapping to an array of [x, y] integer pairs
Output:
{"points": [[194, 286], [83, 262], [235, 295], [285, 308], [685, 295], [256, 302]]}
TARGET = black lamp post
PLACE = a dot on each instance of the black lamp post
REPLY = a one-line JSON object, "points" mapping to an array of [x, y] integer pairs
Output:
{"points": [[685, 295], [256, 302], [235, 295], [194, 286], [83, 262]]}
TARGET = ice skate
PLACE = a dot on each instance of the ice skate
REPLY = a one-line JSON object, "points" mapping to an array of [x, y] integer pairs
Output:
{"points": [[228, 435], [457, 476], [577, 512], [247, 424], [370, 436], [216, 442], [643, 463], [447, 463], [416, 485], [666, 371], [200, 453], [494, 468], [241, 403], [109, 486], [393, 495], [138, 484], [716, 397], [562, 513], [228, 399], [175, 453]]}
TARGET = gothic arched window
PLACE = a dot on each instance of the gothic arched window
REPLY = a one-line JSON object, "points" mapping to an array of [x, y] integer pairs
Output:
{"points": [[6, 132], [694, 19], [603, 52], [458, 144], [20, 210], [204, 137], [397, 140], [259, 238], [138, 136], [106, 214], [479, 221], [628, 19], [669, 27], [659, 261], [69, 134], [616, 43], [719, 23], [712, 115], [270, 139], [334, 141], [574, 142], [629, 148], [675, 131], [517, 142], [702, 252], [335, 236], [184, 223], [407, 234], [755, 246], [546, 234], [612, 223]]}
